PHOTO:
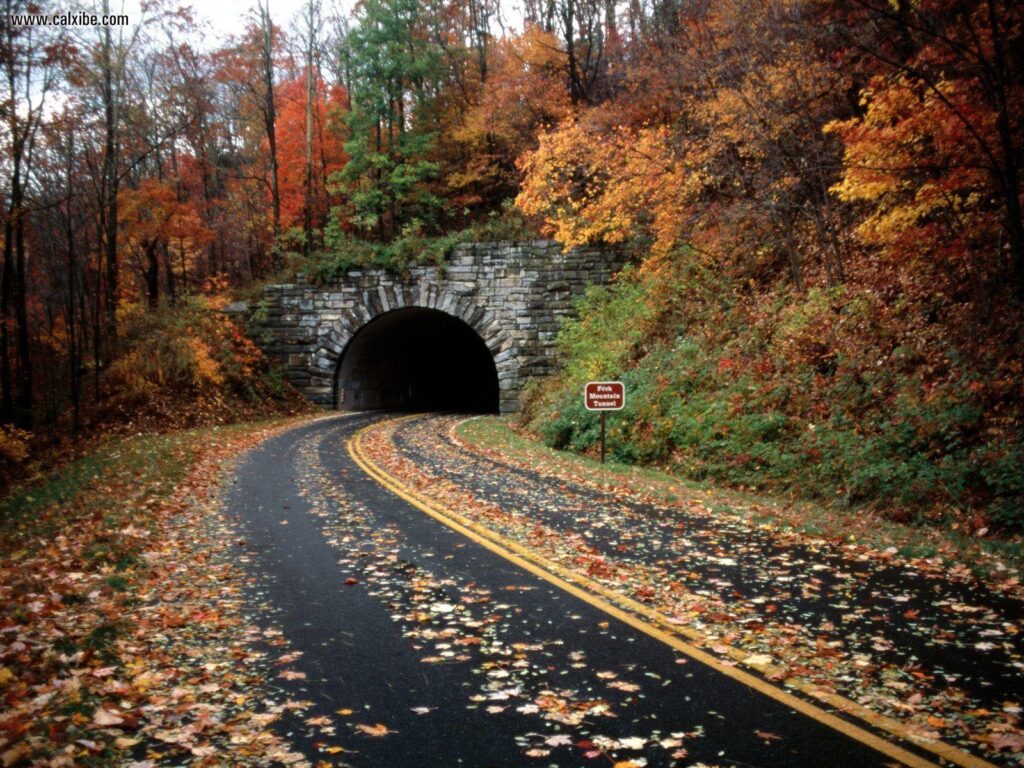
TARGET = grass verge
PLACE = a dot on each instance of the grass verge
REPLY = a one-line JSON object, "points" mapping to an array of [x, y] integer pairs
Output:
{"points": [[121, 634], [997, 560]]}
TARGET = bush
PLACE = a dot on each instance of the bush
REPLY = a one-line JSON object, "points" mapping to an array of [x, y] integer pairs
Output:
{"points": [[189, 363], [824, 396]]}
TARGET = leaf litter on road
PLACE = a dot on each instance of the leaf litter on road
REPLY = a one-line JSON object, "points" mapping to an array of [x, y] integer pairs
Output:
{"points": [[124, 636], [915, 640], [519, 670]]}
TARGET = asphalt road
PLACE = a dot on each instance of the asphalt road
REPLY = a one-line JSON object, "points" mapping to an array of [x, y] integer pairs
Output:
{"points": [[953, 633], [419, 647]]}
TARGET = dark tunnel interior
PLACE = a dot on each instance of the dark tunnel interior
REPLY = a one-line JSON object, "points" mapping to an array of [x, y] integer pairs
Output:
{"points": [[417, 359]]}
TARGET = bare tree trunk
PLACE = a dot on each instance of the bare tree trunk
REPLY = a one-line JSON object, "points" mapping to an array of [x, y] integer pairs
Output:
{"points": [[1011, 173], [69, 234], [269, 113], [378, 176], [23, 406], [17, 397], [109, 185], [572, 65], [152, 274], [6, 286], [312, 11]]}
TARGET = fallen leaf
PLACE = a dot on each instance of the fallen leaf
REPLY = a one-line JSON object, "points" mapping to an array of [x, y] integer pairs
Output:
{"points": [[104, 717], [378, 729]]}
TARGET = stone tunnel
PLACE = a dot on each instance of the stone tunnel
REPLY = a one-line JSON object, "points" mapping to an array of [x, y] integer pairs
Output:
{"points": [[465, 336]]}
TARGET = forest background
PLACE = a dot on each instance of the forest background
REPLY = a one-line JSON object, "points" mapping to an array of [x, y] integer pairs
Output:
{"points": [[821, 201]]}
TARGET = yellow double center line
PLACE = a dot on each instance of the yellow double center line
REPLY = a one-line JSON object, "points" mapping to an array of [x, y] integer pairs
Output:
{"points": [[658, 626]]}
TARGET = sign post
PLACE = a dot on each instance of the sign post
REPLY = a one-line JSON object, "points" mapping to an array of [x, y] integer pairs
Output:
{"points": [[604, 396]]}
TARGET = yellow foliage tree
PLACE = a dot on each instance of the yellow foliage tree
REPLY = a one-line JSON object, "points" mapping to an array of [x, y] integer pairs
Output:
{"points": [[524, 92], [594, 183]]}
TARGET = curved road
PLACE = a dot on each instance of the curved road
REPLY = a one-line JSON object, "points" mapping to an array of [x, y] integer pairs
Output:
{"points": [[417, 646]]}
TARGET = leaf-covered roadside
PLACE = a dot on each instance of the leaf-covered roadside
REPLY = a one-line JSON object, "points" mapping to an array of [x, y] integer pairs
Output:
{"points": [[124, 637], [918, 643], [998, 561]]}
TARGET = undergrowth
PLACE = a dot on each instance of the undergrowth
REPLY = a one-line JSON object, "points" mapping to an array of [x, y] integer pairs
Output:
{"points": [[825, 397], [177, 366], [186, 365], [344, 252]]}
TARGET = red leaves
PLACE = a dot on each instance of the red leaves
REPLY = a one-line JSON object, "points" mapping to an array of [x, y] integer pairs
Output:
{"points": [[645, 593], [328, 151], [146, 645]]}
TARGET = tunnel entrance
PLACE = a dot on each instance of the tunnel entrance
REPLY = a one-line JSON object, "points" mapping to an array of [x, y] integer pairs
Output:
{"points": [[417, 359]]}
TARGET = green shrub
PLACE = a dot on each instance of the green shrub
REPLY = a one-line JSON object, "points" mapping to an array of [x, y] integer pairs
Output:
{"points": [[344, 252]]}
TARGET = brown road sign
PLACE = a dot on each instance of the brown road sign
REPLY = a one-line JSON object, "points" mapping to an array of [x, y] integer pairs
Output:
{"points": [[604, 395]]}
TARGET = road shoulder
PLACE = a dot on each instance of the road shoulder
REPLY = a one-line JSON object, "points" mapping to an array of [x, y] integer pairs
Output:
{"points": [[927, 713], [123, 636]]}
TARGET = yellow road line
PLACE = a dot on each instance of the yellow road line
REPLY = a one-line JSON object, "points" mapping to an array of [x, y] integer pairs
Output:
{"points": [[658, 626]]}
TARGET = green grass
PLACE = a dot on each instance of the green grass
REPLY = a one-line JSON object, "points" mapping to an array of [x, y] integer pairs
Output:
{"points": [[163, 458], [109, 486], [494, 432]]}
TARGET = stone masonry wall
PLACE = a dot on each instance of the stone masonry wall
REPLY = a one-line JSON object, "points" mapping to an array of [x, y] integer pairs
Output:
{"points": [[512, 294]]}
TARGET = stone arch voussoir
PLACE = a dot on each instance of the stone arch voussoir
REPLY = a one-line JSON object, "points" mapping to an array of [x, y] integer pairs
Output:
{"points": [[336, 335]]}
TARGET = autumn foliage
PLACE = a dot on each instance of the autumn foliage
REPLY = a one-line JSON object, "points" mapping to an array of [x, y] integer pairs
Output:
{"points": [[825, 201], [822, 201], [327, 149]]}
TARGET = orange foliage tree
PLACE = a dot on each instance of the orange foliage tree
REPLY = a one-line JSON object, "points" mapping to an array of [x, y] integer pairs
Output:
{"points": [[727, 155], [935, 157], [523, 93], [160, 230], [328, 149]]}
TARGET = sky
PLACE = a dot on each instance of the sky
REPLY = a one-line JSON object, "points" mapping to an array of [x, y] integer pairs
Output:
{"points": [[222, 18], [227, 17]]}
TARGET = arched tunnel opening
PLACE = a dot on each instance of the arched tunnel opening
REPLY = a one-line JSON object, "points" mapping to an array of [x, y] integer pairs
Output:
{"points": [[417, 359]]}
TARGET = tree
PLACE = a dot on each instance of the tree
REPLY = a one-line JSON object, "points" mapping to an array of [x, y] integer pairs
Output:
{"points": [[939, 143], [591, 184], [523, 94], [308, 156], [719, 146], [395, 71], [266, 28], [311, 23], [157, 227], [30, 58]]}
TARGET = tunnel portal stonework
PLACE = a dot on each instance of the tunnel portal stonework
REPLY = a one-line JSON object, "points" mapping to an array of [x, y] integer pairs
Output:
{"points": [[512, 294]]}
